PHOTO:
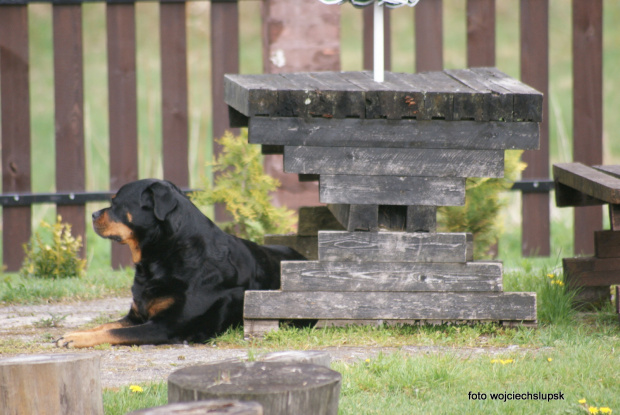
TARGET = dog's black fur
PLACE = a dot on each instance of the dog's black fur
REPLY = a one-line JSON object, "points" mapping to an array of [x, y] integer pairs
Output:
{"points": [[190, 276]]}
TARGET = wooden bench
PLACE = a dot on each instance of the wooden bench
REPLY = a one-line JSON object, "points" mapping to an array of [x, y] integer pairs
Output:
{"points": [[580, 185]]}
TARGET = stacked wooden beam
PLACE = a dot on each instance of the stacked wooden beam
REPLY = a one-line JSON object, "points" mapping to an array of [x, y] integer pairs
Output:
{"points": [[580, 185], [386, 155]]}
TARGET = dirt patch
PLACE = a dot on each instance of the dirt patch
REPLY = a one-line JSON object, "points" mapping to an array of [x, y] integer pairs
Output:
{"points": [[30, 330]]}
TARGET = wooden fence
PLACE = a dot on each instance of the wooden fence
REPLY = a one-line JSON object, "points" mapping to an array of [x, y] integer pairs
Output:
{"points": [[71, 196]]}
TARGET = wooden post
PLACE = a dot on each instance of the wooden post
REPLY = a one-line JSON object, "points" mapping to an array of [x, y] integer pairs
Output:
{"points": [[291, 43], [428, 36], [15, 109], [121, 31], [480, 33], [174, 92], [535, 72], [69, 112], [224, 59], [53, 384], [587, 107], [215, 407], [281, 388]]}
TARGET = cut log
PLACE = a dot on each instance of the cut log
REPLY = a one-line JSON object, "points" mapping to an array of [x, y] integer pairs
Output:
{"points": [[390, 276], [394, 161], [55, 384], [214, 407], [390, 305], [313, 357], [335, 246], [281, 388]]}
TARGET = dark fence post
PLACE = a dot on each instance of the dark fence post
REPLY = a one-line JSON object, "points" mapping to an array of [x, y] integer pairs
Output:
{"points": [[174, 92], [367, 38], [15, 108], [69, 111], [123, 119], [224, 59], [480, 33], [587, 108], [429, 35], [535, 72]]}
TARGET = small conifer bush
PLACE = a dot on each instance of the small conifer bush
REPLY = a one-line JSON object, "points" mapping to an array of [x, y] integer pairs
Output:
{"points": [[484, 200], [244, 188], [58, 258]]}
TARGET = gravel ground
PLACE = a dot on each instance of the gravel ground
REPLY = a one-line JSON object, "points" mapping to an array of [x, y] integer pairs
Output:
{"points": [[130, 365]]}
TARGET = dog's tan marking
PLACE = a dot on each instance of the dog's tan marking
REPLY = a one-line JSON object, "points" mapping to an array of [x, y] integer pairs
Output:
{"points": [[107, 228], [109, 326], [80, 339], [158, 305], [129, 217]]}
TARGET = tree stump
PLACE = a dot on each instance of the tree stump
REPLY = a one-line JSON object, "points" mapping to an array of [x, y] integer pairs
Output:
{"points": [[55, 384], [216, 407], [281, 388]]}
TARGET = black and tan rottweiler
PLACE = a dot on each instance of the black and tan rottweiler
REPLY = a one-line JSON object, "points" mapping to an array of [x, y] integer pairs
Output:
{"points": [[190, 276]]}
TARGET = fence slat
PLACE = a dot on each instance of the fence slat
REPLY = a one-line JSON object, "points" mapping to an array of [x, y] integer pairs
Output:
{"points": [[587, 107], [224, 59], [480, 33], [121, 35], [367, 38], [429, 36], [535, 72], [69, 111], [174, 92], [15, 108]]}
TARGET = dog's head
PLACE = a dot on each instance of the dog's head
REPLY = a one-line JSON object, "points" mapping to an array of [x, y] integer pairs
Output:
{"points": [[139, 209]]}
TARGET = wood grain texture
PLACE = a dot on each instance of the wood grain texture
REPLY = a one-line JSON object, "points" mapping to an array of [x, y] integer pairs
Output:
{"points": [[589, 181], [280, 388], [337, 246], [390, 305], [394, 162], [421, 219], [591, 271], [15, 115], [392, 190], [213, 407], [312, 219], [51, 384], [406, 133], [356, 217], [308, 246], [425, 96], [393, 276], [607, 244]]}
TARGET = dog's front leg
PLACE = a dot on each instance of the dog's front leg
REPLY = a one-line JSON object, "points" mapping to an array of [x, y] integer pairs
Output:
{"points": [[147, 333]]}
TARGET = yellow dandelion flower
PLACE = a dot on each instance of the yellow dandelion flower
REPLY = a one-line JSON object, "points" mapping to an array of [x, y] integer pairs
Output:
{"points": [[549, 359], [367, 360], [582, 401], [507, 361], [605, 410], [136, 389], [593, 410], [551, 276]]}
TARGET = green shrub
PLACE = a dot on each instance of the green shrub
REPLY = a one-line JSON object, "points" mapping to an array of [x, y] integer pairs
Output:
{"points": [[483, 203], [243, 187], [58, 258]]}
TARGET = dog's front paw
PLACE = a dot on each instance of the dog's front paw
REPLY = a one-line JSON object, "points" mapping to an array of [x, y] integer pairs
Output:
{"points": [[80, 339]]}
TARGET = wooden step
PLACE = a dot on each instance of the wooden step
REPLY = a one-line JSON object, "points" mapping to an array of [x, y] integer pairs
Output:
{"points": [[335, 246], [277, 305], [392, 276]]}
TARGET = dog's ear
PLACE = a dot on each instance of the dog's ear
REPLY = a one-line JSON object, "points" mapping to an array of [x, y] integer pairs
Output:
{"points": [[161, 197]]}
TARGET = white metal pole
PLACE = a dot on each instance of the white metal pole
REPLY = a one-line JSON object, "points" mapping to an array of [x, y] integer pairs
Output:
{"points": [[378, 53]]}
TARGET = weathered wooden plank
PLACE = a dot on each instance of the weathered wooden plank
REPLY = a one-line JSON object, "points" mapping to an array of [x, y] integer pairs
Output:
{"points": [[356, 217], [527, 102], [589, 181], [612, 170], [407, 133], [390, 305], [338, 246], [258, 328], [331, 96], [467, 103], [567, 196], [308, 246], [392, 190], [312, 219], [607, 244], [392, 276], [15, 131], [421, 219], [497, 101], [257, 95], [591, 271], [614, 217], [394, 162]]}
